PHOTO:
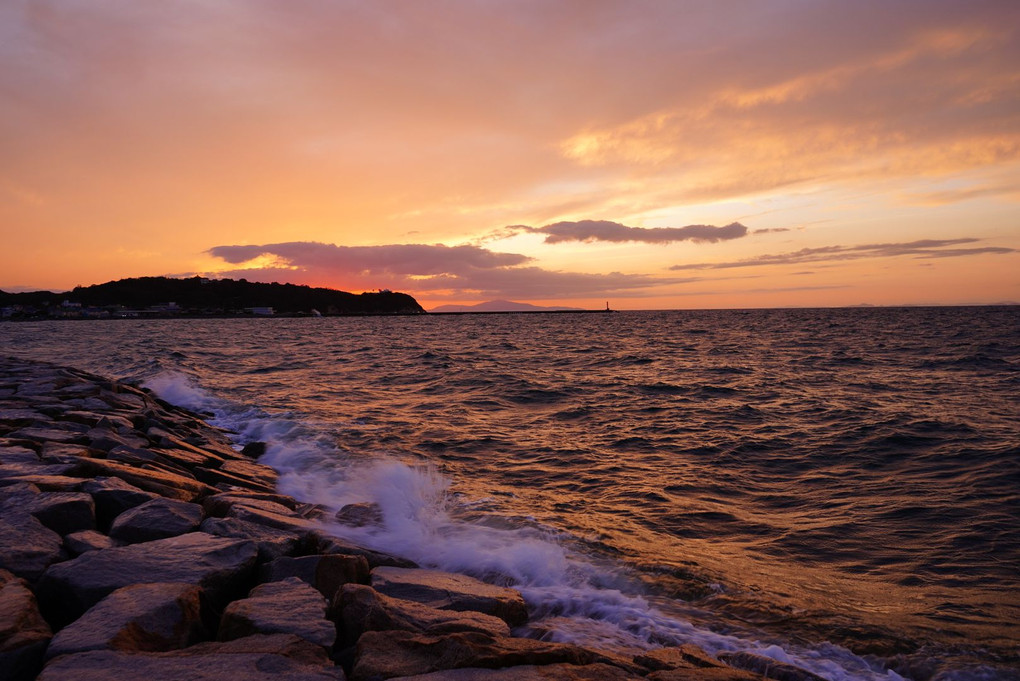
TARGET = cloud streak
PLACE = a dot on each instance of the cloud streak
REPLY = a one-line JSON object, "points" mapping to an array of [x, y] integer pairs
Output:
{"points": [[614, 232], [924, 249], [427, 268]]}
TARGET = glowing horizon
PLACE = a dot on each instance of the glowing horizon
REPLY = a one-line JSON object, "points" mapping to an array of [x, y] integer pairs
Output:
{"points": [[656, 155]]}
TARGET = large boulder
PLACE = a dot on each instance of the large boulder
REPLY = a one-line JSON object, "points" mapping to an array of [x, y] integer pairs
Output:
{"points": [[256, 658], [388, 654], [328, 544], [159, 482], [221, 566], [27, 547], [287, 607], [551, 672], [113, 496], [64, 512], [272, 543], [24, 634], [78, 543], [156, 519], [766, 666], [361, 608], [450, 591], [140, 617], [686, 656], [327, 573]]}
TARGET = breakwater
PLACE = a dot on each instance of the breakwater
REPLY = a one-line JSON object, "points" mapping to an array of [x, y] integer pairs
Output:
{"points": [[137, 541]]}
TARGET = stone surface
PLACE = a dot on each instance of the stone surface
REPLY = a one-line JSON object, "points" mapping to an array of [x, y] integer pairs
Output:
{"points": [[287, 607], [360, 515], [361, 608], [24, 634], [450, 591], [27, 547], [219, 505], [388, 654], [766, 666], [113, 496], [141, 617], [160, 482], [327, 544], [78, 543], [156, 519], [271, 542], [263, 658], [327, 573], [64, 512], [552, 672], [220, 566], [685, 656]]}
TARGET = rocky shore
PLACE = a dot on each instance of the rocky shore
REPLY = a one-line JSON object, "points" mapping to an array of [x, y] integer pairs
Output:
{"points": [[138, 542]]}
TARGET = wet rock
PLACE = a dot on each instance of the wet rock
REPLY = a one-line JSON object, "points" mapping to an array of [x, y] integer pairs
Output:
{"points": [[156, 519], [251, 471], [327, 544], [221, 566], [64, 512], [219, 505], [287, 607], [360, 515], [24, 634], [449, 591], [256, 658], [216, 477], [272, 543], [551, 672], [280, 521], [685, 656], [27, 547], [723, 673], [160, 482], [766, 666], [362, 608], [140, 617], [78, 543], [113, 496], [254, 449], [327, 573], [388, 654]]}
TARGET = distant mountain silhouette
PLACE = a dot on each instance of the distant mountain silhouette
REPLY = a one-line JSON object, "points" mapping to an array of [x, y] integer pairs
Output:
{"points": [[499, 306], [199, 295]]}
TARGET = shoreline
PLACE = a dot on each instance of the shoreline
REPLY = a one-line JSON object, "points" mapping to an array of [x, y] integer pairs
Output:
{"points": [[136, 540]]}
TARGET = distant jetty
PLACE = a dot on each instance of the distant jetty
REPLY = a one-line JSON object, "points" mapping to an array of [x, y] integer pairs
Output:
{"points": [[166, 297]]}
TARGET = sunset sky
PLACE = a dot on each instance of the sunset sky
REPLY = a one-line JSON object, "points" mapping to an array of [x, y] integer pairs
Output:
{"points": [[668, 154]]}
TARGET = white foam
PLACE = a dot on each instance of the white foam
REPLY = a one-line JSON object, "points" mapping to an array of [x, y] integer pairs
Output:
{"points": [[570, 597]]}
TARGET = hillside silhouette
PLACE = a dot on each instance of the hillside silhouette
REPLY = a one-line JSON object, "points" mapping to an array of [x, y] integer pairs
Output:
{"points": [[199, 295]]}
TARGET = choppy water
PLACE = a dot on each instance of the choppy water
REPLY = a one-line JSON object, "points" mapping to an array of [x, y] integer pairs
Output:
{"points": [[837, 488]]}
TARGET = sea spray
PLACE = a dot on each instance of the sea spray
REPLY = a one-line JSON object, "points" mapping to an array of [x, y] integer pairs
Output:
{"points": [[571, 597]]}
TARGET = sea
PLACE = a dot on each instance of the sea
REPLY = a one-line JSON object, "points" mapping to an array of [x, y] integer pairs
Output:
{"points": [[833, 488]]}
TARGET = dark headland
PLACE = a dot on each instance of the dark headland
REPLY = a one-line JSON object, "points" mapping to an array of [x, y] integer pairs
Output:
{"points": [[139, 542], [161, 297]]}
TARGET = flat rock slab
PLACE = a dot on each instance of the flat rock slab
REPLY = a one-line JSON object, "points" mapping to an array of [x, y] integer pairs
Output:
{"points": [[219, 565], [27, 548], [551, 672], [287, 607], [156, 519], [327, 573], [24, 634], [78, 543], [723, 673], [113, 496], [272, 543], [388, 654], [141, 617], [766, 666], [362, 608], [450, 591], [677, 657], [198, 663], [159, 482]]}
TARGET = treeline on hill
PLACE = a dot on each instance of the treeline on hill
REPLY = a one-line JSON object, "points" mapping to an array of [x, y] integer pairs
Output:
{"points": [[226, 296]]}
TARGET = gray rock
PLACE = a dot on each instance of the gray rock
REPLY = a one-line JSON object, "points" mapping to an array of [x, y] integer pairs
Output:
{"points": [[9, 455], [360, 515], [327, 573], [220, 478], [219, 505], [723, 673], [551, 672], [271, 542], [766, 666], [156, 519], [27, 547], [51, 434], [362, 608], [141, 617], [287, 607], [113, 496], [449, 591], [686, 656], [220, 566], [327, 544], [24, 634], [250, 470], [289, 522], [64, 512], [160, 482], [78, 543], [45, 481], [388, 654], [256, 658]]}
